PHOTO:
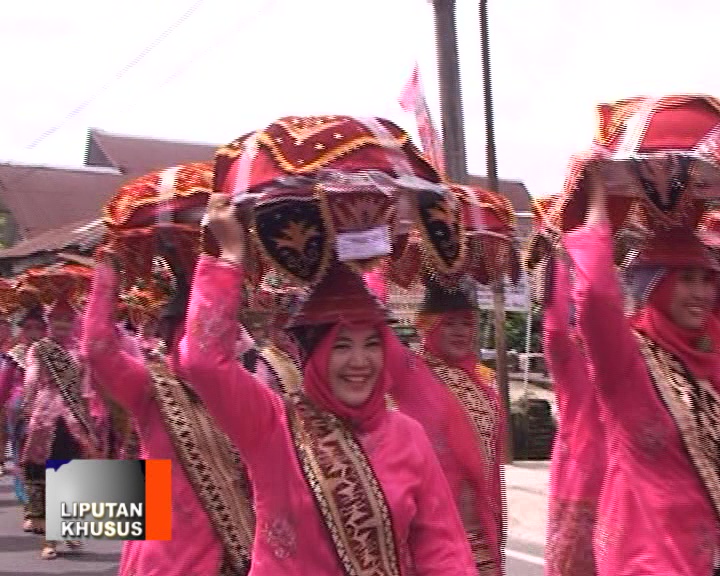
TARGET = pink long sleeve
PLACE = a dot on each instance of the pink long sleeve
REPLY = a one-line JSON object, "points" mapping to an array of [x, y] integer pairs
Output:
{"points": [[243, 407], [438, 542], [620, 372], [121, 375], [563, 350]]}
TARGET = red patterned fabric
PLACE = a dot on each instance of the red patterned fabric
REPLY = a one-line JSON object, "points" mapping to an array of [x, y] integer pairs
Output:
{"points": [[165, 207], [9, 297], [57, 282], [677, 247], [677, 122], [302, 145], [313, 180], [172, 191], [709, 229], [685, 123], [341, 297]]}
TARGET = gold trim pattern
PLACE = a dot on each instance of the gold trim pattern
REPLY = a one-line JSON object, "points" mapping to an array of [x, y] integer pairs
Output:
{"points": [[212, 465], [569, 549], [18, 354], [694, 405], [332, 154], [347, 493], [65, 372], [485, 423], [284, 369]]}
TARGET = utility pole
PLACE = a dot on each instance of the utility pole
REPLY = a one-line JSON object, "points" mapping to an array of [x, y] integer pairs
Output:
{"points": [[453, 131], [498, 286], [453, 128]]}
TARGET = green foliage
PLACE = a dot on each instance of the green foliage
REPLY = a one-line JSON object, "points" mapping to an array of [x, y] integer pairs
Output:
{"points": [[515, 327]]}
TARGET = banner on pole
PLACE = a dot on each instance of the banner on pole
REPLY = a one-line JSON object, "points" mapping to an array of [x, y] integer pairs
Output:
{"points": [[517, 298], [412, 100]]}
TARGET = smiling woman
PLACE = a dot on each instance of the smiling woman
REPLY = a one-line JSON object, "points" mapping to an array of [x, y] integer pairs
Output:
{"points": [[657, 373], [342, 484]]}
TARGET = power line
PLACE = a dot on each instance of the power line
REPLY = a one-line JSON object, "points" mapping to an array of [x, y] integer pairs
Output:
{"points": [[268, 5], [119, 75], [220, 39]]}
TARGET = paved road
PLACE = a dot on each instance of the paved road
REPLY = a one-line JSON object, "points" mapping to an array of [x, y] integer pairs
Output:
{"points": [[20, 552]]}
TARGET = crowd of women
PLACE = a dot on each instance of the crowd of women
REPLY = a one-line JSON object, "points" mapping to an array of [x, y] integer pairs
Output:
{"points": [[328, 447]]}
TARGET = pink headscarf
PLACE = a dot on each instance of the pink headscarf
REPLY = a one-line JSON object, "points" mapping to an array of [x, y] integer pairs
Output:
{"points": [[317, 387], [653, 320]]}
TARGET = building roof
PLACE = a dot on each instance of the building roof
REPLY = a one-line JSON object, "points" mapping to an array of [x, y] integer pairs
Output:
{"points": [[42, 198], [78, 237], [514, 190], [137, 155]]}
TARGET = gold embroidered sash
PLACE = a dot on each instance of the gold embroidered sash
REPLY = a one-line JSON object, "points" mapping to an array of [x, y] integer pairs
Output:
{"points": [[284, 369], [347, 493], [65, 373], [18, 354], [211, 463], [485, 422], [695, 407]]}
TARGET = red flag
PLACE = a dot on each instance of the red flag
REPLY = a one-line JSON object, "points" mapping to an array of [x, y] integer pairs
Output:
{"points": [[412, 99]]}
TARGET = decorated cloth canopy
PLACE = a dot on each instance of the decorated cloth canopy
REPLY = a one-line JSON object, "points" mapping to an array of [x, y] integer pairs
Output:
{"points": [[55, 283], [488, 252], [144, 301], [13, 299], [323, 189], [159, 212], [636, 141]]}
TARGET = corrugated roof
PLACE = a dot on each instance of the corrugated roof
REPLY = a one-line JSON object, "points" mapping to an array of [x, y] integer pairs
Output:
{"points": [[42, 198], [80, 235], [137, 155]]}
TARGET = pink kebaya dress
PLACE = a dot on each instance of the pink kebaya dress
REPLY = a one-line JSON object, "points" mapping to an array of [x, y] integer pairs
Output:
{"points": [[655, 516], [292, 538], [578, 459], [194, 550]]}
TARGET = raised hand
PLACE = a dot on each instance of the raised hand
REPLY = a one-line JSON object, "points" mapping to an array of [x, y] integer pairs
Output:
{"points": [[222, 219]]}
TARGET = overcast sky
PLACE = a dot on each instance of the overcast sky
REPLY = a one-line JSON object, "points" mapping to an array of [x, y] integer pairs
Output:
{"points": [[232, 66]]}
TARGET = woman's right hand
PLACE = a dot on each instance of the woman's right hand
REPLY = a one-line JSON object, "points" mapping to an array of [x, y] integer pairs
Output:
{"points": [[226, 227]]}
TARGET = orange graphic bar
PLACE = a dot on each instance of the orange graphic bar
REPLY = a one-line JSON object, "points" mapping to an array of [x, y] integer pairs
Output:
{"points": [[158, 500]]}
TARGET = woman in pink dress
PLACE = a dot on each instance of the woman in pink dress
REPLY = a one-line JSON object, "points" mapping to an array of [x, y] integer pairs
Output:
{"points": [[341, 484], [57, 404], [12, 379], [578, 458], [5, 344], [448, 324], [657, 372], [419, 392], [212, 527]]}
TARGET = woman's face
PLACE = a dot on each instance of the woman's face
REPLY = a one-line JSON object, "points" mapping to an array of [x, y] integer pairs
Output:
{"points": [[457, 334], [356, 360], [694, 297]]}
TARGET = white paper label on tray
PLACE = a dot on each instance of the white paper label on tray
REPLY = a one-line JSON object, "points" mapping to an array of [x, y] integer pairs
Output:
{"points": [[364, 244]]}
